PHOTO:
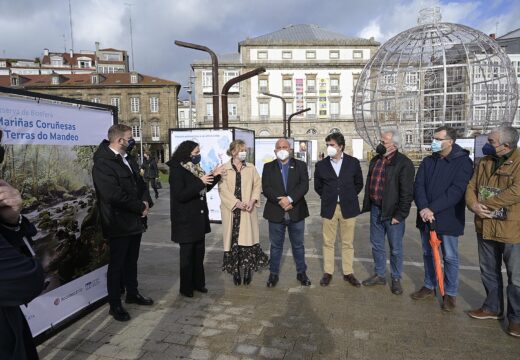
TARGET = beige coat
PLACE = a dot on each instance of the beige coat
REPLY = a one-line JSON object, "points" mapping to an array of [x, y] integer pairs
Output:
{"points": [[251, 188], [507, 177]]}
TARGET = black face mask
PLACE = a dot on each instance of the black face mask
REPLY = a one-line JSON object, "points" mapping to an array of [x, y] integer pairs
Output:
{"points": [[381, 149]]}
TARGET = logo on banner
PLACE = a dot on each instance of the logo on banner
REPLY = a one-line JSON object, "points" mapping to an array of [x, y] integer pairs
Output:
{"points": [[89, 285], [57, 301]]}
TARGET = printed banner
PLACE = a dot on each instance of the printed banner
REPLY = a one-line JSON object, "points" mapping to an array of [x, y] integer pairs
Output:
{"points": [[323, 106], [299, 95]]}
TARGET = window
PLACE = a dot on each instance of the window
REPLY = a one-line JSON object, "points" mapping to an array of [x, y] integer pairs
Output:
{"points": [[312, 112], [288, 108], [334, 130], [15, 81], [133, 79], [311, 85], [411, 78], [56, 61], [95, 100], [209, 111], [156, 132], [207, 81], [264, 132], [334, 109], [357, 54], [136, 132], [154, 104], [312, 131], [334, 54], [408, 138], [310, 54], [287, 85], [334, 85], [286, 55], [233, 111], [115, 101], [228, 75], [84, 63], [55, 80], [181, 114], [134, 104], [263, 109], [94, 79], [263, 85], [261, 55]]}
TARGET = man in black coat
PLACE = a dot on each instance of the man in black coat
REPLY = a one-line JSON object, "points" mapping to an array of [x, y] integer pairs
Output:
{"points": [[285, 181], [151, 173], [123, 202], [388, 197], [338, 180]]}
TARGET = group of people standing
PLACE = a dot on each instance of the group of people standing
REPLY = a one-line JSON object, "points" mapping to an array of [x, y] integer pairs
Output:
{"points": [[444, 184]]}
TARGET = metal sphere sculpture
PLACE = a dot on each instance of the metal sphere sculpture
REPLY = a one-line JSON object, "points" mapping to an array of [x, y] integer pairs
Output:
{"points": [[432, 75]]}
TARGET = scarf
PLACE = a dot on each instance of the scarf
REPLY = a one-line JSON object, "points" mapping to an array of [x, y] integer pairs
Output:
{"points": [[196, 170]]}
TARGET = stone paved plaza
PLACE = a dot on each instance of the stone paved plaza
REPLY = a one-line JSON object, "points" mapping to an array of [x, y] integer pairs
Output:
{"points": [[288, 321]]}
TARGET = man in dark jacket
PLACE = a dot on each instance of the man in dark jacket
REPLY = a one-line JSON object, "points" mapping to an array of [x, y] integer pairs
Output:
{"points": [[123, 202], [151, 173], [338, 181], [439, 190], [285, 181], [388, 197]]}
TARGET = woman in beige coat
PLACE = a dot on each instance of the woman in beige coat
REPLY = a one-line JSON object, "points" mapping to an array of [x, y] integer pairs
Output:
{"points": [[239, 193]]}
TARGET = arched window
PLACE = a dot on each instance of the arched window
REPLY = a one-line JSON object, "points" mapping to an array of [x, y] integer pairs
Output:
{"points": [[312, 131], [334, 130], [264, 132]]}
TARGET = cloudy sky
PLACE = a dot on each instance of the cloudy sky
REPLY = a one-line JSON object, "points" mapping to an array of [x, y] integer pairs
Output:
{"points": [[29, 26]]}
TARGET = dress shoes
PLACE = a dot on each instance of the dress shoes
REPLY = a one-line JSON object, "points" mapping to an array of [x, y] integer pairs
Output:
{"points": [[272, 281], [374, 280], [423, 293], [138, 299], [449, 303], [188, 294], [237, 280], [119, 313], [247, 276], [325, 279], [483, 314], [396, 287], [513, 328], [350, 278], [303, 279], [203, 290]]}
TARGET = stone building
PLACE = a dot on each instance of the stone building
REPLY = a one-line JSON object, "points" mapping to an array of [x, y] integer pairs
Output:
{"points": [[308, 66], [146, 103]]}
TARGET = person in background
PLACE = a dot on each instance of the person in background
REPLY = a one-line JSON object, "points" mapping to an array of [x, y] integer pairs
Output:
{"points": [[338, 180], [239, 193], [189, 214], [150, 173], [123, 201], [285, 181], [493, 195], [439, 190], [388, 197]]}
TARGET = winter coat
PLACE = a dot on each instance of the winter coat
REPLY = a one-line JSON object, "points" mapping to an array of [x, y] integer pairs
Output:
{"points": [[150, 168], [346, 186], [251, 187], [120, 193], [398, 190], [507, 178], [440, 185], [188, 206]]}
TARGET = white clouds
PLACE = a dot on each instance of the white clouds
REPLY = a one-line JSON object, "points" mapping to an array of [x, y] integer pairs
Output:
{"points": [[373, 29]]}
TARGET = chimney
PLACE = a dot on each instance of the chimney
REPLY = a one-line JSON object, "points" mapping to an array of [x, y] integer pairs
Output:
{"points": [[71, 53], [97, 45], [493, 36], [45, 52]]}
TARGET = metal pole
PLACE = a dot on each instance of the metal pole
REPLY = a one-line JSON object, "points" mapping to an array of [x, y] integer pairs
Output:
{"points": [[228, 85], [141, 136], [191, 103], [290, 118], [214, 77], [284, 118]]}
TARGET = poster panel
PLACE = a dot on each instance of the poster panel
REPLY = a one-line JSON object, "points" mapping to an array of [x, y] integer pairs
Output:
{"points": [[467, 144], [299, 94], [49, 149], [214, 144], [248, 136]]}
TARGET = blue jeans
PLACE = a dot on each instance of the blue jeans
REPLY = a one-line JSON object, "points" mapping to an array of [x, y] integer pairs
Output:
{"points": [[277, 238], [395, 233], [490, 255], [450, 255]]}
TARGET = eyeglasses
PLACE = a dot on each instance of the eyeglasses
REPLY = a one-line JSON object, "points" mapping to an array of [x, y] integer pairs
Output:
{"points": [[441, 139]]}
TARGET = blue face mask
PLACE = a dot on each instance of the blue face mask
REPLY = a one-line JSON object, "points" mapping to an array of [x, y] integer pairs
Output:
{"points": [[195, 159], [130, 145], [436, 146], [489, 149]]}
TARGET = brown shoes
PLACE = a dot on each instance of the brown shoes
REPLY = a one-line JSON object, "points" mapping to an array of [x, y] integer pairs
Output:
{"points": [[449, 303], [352, 280], [483, 314], [423, 293], [513, 329], [325, 280]]}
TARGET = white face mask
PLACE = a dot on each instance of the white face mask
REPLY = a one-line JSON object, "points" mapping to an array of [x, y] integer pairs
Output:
{"points": [[242, 155], [282, 154], [331, 151]]}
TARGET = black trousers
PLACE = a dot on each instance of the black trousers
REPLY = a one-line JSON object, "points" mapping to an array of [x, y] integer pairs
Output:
{"points": [[150, 181], [192, 266], [122, 267]]}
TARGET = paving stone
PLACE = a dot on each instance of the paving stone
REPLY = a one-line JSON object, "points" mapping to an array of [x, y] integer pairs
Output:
{"points": [[246, 349], [271, 353], [177, 338]]}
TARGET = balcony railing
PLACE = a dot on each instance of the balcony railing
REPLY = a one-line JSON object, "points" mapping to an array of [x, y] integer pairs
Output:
{"points": [[311, 89], [334, 89], [287, 89]]}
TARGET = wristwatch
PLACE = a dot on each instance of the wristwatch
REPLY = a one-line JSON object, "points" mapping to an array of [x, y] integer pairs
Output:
{"points": [[13, 227]]}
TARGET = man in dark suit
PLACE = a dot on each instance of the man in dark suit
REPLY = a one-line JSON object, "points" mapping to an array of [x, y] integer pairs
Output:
{"points": [[123, 202], [285, 181], [338, 180]]}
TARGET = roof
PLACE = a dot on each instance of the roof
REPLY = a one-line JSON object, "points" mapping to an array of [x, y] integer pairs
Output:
{"points": [[510, 42], [306, 34], [74, 80], [510, 35], [229, 59], [67, 59]]}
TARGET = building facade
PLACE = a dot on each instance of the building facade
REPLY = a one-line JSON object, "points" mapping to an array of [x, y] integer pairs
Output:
{"points": [[187, 114], [147, 104], [306, 65], [510, 42]]}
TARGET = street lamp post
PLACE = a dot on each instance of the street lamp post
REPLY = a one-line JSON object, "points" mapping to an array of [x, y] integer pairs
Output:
{"points": [[283, 110], [141, 136], [228, 85], [214, 77], [189, 90], [290, 118]]}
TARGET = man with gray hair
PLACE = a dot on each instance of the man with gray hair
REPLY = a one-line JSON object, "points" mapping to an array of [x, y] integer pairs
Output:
{"points": [[493, 194], [388, 197]]}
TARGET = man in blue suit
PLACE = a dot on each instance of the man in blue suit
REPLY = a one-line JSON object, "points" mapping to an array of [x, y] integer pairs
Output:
{"points": [[338, 181]]}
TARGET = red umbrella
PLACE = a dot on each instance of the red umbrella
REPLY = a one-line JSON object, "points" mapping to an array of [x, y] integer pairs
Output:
{"points": [[435, 243]]}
